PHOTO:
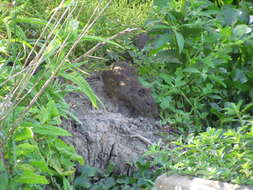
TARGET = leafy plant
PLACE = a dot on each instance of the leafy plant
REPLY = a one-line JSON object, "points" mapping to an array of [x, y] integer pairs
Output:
{"points": [[224, 155], [32, 96], [197, 60], [141, 177]]}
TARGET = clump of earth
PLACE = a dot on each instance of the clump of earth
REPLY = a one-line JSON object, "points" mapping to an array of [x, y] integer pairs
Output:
{"points": [[119, 132], [110, 134]]}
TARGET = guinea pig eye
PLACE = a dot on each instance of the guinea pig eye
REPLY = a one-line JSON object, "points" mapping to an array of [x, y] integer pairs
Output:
{"points": [[141, 92]]}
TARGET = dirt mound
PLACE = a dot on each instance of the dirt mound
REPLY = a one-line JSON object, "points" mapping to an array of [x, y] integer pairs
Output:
{"points": [[110, 134]]}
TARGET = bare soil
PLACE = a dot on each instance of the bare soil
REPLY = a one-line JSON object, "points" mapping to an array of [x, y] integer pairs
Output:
{"points": [[111, 134]]}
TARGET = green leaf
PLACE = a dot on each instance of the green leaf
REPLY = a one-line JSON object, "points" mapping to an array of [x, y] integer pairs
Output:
{"points": [[23, 134], [161, 41], [191, 70], [240, 76], [161, 27], [52, 109], [88, 171], [166, 78], [68, 151], [241, 31], [25, 167], [50, 131], [25, 149], [22, 42], [31, 20], [66, 184], [180, 41], [3, 177], [31, 178], [247, 108], [72, 26], [88, 37], [83, 85], [83, 182], [165, 103], [191, 29], [161, 3], [51, 49], [230, 15], [217, 79], [43, 115], [41, 165], [3, 181], [228, 1]]}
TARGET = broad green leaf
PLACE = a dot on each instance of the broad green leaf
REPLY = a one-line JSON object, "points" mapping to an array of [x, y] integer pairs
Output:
{"points": [[82, 181], [175, 16], [217, 79], [83, 85], [230, 15], [89, 171], [161, 27], [52, 109], [191, 29], [166, 57], [191, 70], [68, 151], [241, 31], [25, 167], [166, 77], [43, 115], [151, 22], [41, 165], [161, 41], [179, 82], [180, 41], [240, 76], [23, 134], [56, 165], [31, 178], [25, 149], [50, 131]]}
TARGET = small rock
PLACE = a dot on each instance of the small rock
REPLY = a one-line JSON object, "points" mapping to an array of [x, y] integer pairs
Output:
{"points": [[173, 182]]}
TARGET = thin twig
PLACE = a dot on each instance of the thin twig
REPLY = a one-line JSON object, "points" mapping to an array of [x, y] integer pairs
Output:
{"points": [[143, 139], [96, 57]]}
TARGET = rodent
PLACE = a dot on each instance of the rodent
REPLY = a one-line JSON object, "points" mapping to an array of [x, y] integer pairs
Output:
{"points": [[122, 82]]}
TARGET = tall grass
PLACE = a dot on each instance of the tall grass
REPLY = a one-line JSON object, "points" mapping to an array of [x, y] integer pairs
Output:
{"points": [[31, 96]]}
